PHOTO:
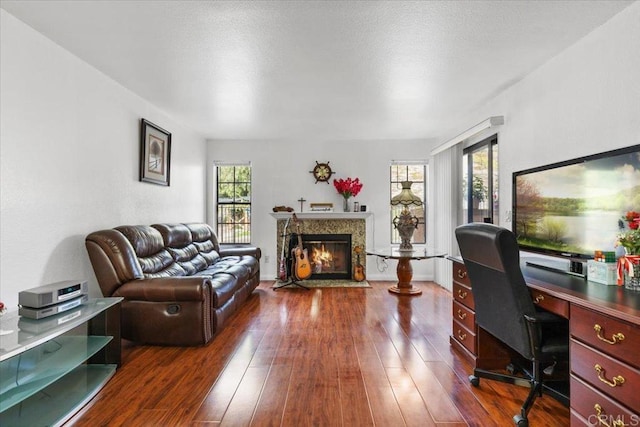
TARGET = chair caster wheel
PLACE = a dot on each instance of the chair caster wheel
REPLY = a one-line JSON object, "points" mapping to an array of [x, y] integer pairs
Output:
{"points": [[475, 381], [520, 422], [512, 369]]}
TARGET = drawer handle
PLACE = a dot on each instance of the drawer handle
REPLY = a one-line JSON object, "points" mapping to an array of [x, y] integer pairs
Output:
{"points": [[461, 274], [539, 299], [461, 315], [602, 417], [617, 380], [461, 336], [462, 294], [615, 338]]}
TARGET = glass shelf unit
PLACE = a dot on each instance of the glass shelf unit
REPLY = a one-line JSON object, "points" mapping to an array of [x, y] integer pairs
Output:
{"points": [[50, 368]]}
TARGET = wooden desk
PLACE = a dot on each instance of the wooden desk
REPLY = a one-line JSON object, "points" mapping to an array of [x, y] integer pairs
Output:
{"points": [[604, 324]]}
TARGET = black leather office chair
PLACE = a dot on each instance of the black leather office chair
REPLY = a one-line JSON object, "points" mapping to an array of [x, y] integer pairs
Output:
{"points": [[504, 308]]}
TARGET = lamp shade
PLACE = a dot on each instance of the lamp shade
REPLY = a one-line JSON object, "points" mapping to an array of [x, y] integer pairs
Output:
{"points": [[406, 196]]}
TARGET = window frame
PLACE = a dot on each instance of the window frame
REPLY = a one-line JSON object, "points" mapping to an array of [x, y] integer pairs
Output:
{"points": [[394, 236], [233, 204]]}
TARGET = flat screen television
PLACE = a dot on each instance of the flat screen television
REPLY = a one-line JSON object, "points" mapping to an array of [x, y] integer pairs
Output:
{"points": [[573, 208]]}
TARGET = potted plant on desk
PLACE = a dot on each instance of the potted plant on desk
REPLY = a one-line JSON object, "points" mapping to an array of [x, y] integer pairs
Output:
{"points": [[629, 239]]}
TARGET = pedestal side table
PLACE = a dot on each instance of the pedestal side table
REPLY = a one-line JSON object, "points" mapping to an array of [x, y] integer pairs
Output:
{"points": [[404, 269]]}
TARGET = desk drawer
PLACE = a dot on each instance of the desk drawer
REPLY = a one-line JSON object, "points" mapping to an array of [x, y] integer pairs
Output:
{"points": [[615, 337], [591, 404], [464, 336], [550, 303], [610, 376], [460, 274], [464, 315], [463, 295]]}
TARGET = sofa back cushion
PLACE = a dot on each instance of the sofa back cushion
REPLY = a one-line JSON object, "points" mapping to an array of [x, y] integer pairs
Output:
{"points": [[148, 244], [177, 240], [205, 239]]}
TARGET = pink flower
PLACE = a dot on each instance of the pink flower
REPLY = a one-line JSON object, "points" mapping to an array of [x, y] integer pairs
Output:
{"points": [[347, 188], [630, 239]]}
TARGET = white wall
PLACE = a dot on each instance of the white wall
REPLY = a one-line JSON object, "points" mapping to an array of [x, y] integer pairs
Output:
{"points": [[281, 176], [69, 145], [584, 101], [69, 149]]}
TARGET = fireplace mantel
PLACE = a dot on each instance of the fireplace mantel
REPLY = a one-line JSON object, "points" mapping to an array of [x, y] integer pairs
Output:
{"points": [[322, 215]]}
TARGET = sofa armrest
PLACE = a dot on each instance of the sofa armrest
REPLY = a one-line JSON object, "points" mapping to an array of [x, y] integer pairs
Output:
{"points": [[162, 289], [227, 250]]}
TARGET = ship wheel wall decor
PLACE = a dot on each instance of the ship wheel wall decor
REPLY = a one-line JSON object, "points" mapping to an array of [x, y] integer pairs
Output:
{"points": [[322, 172]]}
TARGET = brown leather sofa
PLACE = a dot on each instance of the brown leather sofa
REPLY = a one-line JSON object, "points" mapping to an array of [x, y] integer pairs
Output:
{"points": [[179, 285]]}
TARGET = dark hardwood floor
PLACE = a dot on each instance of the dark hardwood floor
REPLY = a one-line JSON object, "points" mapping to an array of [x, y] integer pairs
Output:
{"points": [[324, 357]]}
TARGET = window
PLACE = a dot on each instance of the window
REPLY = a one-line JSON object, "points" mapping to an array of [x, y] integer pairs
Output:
{"points": [[416, 172], [233, 200], [480, 182]]}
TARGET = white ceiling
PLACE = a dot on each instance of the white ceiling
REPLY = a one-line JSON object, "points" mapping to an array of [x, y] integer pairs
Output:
{"points": [[331, 70]]}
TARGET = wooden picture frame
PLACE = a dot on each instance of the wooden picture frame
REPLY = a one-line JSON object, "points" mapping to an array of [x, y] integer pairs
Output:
{"points": [[155, 154]]}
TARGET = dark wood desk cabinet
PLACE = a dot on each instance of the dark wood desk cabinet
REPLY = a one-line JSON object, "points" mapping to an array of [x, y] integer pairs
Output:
{"points": [[477, 345], [604, 323]]}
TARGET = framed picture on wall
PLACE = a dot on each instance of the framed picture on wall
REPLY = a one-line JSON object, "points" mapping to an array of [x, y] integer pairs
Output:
{"points": [[155, 154]]}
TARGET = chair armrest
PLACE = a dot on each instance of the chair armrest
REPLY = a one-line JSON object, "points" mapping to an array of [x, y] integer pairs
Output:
{"points": [[544, 317], [161, 289], [548, 333], [240, 250]]}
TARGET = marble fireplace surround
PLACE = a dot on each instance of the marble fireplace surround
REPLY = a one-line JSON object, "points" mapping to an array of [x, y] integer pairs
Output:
{"points": [[355, 223]]}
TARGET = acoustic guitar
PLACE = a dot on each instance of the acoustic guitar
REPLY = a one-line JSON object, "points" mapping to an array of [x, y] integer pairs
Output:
{"points": [[282, 268], [301, 266], [358, 271]]}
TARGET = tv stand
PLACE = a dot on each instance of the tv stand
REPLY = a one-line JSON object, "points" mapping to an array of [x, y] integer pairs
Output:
{"points": [[50, 368], [548, 264], [572, 267]]}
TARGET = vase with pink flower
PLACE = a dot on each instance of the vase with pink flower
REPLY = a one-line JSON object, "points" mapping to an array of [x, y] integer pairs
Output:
{"points": [[347, 188], [3, 309], [629, 263]]}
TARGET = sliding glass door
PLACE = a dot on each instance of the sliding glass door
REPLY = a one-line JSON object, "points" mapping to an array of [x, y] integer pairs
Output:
{"points": [[480, 182]]}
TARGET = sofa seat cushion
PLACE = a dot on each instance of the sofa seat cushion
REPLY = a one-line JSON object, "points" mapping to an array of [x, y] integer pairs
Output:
{"points": [[246, 261], [251, 263], [238, 271]]}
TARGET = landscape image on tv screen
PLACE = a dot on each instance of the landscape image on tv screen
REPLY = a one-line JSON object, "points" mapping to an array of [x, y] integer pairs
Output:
{"points": [[575, 208]]}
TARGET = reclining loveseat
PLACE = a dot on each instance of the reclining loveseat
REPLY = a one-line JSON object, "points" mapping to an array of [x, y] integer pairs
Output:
{"points": [[179, 285]]}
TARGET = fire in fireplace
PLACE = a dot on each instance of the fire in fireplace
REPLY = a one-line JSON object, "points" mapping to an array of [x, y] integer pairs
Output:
{"points": [[329, 255]]}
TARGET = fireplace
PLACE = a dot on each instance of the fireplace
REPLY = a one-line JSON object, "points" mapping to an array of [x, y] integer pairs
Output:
{"points": [[328, 254], [320, 226]]}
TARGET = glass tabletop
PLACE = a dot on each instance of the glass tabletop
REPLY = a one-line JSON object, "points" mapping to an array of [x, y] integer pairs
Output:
{"points": [[416, 253], [20, 333]]}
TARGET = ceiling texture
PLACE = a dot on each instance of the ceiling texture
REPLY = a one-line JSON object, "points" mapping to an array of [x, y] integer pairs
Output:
{"points": [[330, 70]]}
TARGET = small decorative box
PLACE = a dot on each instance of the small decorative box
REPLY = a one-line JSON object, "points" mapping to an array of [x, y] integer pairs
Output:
{"points": [[602, 272]]}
